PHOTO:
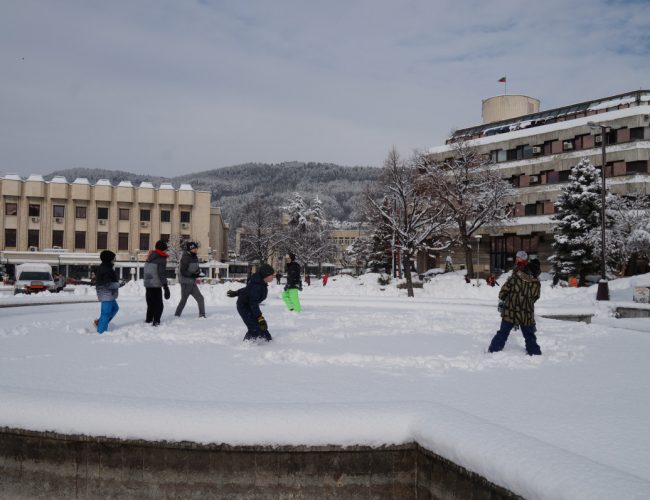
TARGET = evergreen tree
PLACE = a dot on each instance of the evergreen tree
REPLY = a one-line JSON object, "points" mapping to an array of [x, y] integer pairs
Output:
{"points": [[577, 214]]}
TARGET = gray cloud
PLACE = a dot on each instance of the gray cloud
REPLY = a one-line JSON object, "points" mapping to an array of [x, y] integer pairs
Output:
{"points": [[169, 87]]}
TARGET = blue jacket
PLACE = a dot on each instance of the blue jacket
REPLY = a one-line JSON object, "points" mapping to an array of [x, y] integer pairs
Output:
{"points": [[106, 283], [253, 294]]}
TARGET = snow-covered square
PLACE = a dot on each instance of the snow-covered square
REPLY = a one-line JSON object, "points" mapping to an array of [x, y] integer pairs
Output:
{"points": [[362, 364]]}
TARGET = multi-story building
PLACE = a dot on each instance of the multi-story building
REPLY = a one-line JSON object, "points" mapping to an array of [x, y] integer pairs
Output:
{"points": [[536, 152], [68, 223]]}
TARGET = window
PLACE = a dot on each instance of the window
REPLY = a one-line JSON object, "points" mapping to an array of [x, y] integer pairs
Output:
{"points": [[79, 240], [145, 215], [57, 238], [568, 145], [32, 238], [102, 241], [498, 155], [80, 212], [563, 175], [123, 241], [185, 216], [637, 167], [10, 238], [102, 212], [530, 209], [164, 237], [11, 209], [123, 213], [144, 241], [165, 216], [636, 134], [34, 210], [58, 210], [511, 154]]}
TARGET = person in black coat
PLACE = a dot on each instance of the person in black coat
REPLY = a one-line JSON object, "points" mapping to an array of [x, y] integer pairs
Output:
{"points": [[249, 299], [294, 284], [155, 281]]}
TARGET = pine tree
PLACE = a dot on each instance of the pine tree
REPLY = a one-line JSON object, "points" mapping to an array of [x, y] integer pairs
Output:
{"points": [[577, 215]]}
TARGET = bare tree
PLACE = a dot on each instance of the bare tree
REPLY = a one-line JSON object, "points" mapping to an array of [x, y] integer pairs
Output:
{"points": [[403, 208], [262, 231], [471, 189]]}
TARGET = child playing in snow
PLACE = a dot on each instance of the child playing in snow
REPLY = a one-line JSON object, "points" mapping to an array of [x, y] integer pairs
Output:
{"points": [[249, 299], [107, 287], [290, 295]]}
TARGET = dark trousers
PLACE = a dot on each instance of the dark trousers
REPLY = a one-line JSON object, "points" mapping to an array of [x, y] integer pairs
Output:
{"points": [[528, 331], [186, 291], [251, 323], [154, 304]]}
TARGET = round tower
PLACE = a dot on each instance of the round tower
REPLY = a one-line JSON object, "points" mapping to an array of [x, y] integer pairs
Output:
{"points": [[504, 107]]}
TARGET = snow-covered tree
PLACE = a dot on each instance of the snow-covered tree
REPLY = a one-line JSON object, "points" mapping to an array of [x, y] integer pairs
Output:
{"points": [[262, 232], [471, 189], [402, 208], [578, 216], [627, 235]]}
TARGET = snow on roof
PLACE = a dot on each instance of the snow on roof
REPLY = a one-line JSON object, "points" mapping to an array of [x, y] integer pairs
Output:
{"points": [[125, 184], [148, 185], [59, 179], [186, 187], [13, 177], [543, 129], [36, 177], [103, 182], [166, 185], [81, 180]]}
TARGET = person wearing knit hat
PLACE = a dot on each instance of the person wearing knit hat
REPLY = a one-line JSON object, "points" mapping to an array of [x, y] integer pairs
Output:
{"points": [[517, 299], [249, 299], [188, 272], [294, 284], [107, 287], [155, 281]]}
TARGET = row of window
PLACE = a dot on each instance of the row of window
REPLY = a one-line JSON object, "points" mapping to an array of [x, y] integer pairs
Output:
{"points": [[33, 239], [579, 142], [58, 211], [614, 169]]}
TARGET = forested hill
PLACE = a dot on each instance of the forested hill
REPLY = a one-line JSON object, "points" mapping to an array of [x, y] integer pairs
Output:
{"points": [[340, 188]]}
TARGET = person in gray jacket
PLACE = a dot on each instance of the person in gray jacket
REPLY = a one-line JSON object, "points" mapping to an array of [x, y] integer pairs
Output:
{"points": [[155, 281], [107, 287], [188, 271]]}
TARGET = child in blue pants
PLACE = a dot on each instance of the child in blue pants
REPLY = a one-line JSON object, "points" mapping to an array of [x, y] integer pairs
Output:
{"points": [[107, 286]]}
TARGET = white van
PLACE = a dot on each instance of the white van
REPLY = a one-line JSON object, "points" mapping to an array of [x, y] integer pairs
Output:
{"points": [[34, 277]]}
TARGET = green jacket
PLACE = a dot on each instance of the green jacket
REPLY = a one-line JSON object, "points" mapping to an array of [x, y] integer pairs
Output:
{"points": [[519, 293]]}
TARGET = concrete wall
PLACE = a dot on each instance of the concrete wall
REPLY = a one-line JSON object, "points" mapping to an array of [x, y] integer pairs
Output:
{"points": [[48, 465]]}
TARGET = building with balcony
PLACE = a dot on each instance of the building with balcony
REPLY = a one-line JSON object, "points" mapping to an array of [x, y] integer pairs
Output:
{"points": [[68, 223], [536, 152]]}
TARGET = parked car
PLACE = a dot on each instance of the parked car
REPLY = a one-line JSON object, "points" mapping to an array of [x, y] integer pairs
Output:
{"points": [[34, 277]]}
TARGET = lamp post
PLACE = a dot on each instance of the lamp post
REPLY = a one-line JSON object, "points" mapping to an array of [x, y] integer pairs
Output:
{"points": [[478, 249], [603, 286]]}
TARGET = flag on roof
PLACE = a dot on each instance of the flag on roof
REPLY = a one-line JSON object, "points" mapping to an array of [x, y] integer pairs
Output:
{"points": [[502, 79]]}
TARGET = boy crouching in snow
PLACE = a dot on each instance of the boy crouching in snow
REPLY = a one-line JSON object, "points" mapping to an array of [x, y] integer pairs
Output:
{"points": [[107, 286], [249, 299]]}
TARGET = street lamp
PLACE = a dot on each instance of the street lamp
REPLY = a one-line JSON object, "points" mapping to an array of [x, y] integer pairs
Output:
{"points": [[478, 249], [603, 286]]}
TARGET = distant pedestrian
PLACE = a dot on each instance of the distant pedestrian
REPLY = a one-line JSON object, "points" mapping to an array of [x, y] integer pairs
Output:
{"points": [[517, 304], [249, 299], [155, 281], [278, 277], [449, 265], [325, 278], [188, 272], [308, 279], [107, 287], [294, 284]]}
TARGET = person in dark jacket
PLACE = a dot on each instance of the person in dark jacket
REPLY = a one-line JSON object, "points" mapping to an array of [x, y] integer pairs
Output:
{"points": [[188, 271], [155, 281], [294, 283], [249, 299], [107, 287], [517, 305]]}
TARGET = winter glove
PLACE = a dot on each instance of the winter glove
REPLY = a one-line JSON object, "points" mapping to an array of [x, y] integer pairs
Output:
{"points": [[262, 322], [501, 307], [167, 294], [232, 293]]}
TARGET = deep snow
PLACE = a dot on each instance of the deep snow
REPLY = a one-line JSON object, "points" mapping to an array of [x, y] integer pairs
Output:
{"points": [[360, 365]]}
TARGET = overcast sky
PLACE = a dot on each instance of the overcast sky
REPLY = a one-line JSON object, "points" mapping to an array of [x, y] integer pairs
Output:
{"points": [[177, 86]]}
